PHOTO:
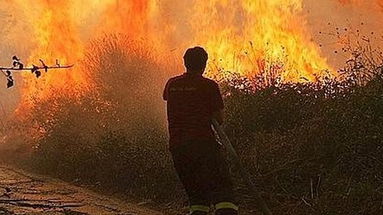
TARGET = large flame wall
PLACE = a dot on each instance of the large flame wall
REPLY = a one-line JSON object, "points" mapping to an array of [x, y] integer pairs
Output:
{"points": [[245, 37]]}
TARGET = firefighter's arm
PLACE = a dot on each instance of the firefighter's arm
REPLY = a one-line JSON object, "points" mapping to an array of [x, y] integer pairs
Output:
{"points": [[219, 116], [166, 91], [217, 105]]}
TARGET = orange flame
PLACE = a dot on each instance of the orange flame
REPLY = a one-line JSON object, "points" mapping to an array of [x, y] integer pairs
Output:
{"points": [[128, 17], [259, 37], [55, 36], [57, 25], [244, 37]]}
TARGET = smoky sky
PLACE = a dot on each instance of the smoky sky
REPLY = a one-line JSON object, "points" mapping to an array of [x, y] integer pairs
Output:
{"points": [[326, 16]]}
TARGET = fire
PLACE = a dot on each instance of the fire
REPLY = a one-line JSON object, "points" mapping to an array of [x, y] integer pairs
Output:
{"points": [[259, 37], [244, 37], [55, 36], [56, 26], [128, 17]]}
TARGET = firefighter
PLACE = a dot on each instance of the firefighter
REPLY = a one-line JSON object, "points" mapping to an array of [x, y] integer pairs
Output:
{"points": [[192, 103]]}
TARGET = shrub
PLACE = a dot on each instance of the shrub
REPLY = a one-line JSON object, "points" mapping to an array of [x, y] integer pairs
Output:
{"points": [[311, 148]]}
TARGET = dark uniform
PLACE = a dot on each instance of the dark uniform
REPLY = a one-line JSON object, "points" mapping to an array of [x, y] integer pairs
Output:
{"points": [[191, 102]]}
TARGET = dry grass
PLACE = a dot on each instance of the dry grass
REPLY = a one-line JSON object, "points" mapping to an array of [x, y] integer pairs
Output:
{"points": [[312, 148]]}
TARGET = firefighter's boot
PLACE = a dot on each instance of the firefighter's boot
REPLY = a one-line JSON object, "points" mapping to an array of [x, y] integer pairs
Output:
{"points": [[226, 208], [199, 210]]}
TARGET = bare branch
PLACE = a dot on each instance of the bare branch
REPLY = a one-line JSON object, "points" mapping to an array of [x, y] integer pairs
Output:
{"points": [[37, 67], [18, 66]]}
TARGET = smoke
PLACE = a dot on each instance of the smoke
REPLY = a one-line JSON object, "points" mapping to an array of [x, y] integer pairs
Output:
{"points": [[63, 29], [329, 19]]}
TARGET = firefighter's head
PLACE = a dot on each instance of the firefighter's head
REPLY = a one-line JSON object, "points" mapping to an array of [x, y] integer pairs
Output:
{"points": [[195, 60]]}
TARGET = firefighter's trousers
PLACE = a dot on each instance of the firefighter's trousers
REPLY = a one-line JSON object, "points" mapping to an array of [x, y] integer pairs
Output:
{"points": [[204, 173]]}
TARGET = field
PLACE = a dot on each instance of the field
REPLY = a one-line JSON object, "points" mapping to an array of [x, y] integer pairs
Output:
{"points": [[311, 148]]}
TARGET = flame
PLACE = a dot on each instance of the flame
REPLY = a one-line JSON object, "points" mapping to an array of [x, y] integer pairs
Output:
{"points": [[128, 17], [244, 37], [55, 36], [259, 37]]}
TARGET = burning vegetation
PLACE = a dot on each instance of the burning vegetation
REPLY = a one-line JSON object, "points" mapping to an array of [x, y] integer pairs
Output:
{"points": [[237, 39], [310, 134]]}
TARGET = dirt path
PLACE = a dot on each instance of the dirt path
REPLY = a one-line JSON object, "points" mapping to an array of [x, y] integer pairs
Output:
{"points": [[22, 193]]}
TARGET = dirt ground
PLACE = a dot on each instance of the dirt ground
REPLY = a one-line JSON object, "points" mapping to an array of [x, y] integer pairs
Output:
{"points": [[24, 193]]}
